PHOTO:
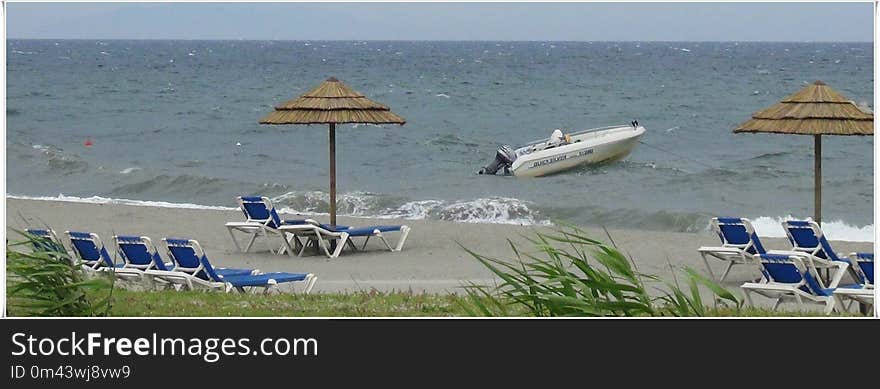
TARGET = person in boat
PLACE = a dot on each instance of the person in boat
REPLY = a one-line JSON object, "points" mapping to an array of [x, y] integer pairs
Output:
{"points": [[557, 138]]}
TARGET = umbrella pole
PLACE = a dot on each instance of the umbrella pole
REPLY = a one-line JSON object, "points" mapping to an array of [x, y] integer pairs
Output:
{"points": [[817, 189], [333, 174], [817, 142]]}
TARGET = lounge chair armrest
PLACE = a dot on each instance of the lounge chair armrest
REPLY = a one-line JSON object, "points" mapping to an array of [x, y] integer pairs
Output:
{"points": [[799, 254], [825, 263], [244, 224], [732, 250], [838, 275]]}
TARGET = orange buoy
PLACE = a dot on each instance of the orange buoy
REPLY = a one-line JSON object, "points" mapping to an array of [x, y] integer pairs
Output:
{"points": [[88, 143]]}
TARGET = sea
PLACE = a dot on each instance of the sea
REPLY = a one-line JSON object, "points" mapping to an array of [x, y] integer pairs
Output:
{"points": [[175, 124]]}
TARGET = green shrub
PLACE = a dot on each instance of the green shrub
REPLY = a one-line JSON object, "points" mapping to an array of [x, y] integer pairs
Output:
{"points": [[573, 275], [43, 280]]}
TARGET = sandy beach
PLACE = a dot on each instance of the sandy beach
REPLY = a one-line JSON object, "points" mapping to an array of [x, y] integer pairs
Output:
{"points": [[431, 261]]}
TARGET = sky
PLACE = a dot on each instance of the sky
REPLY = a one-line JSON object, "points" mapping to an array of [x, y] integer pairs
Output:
{"points": [[445, 21]]}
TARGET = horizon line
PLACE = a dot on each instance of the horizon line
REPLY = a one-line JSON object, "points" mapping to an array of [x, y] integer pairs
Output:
{"points": [[433, 40]]}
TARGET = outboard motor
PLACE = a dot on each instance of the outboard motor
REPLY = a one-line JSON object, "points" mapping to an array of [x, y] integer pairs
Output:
{"points": [[504, 157]]}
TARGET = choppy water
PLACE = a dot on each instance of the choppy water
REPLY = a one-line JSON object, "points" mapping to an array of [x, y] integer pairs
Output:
{"points": [[165, 118]]}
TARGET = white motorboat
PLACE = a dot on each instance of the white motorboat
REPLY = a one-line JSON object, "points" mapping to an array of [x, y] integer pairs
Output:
{"points": [[565, 151]]}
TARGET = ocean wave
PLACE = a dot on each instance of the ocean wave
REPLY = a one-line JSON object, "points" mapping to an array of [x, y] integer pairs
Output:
{"points": [[129, 170], [189, 185], [189, 163], [503, 210], [491, 210], [629, 218], [494, 210], [417, 210], [769, 156], [356, 125], [834, 230], [497, 210], [57, 160], [317, 202], [627, 164], [449, 140], [107, 200]]}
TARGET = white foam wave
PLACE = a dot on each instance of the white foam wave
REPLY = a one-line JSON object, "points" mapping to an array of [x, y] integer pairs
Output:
{"points": [[496, 210], [416, 210], [317, 203], [129, 170], [356, 125], [834, 230], [105, 200], [503, 210], [442, 95]]}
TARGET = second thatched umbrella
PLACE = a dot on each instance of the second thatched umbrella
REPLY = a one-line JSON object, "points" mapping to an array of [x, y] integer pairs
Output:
{"points": [[332, 103], [814, 110]]}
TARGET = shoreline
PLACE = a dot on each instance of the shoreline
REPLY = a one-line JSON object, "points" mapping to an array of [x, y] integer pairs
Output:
{"points": [[767, 226], [281, 209], [430, 262]]}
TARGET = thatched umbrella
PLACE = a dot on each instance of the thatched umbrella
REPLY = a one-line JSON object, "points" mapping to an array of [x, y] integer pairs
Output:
{"points": [[814, 110], [332, 103]]}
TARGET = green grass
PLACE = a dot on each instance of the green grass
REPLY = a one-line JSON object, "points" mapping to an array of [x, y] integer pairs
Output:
{"points": [[198, 303], [362, 304]]}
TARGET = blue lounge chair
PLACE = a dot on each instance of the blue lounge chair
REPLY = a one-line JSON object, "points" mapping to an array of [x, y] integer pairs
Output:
{"points": [[863, 293], [186, 257], [793, 277], [261, 219], [190, 258], [47, 240], [806, 236], [139, 252], [739, 244], [864, 265], [321, 235], [90, 252]]}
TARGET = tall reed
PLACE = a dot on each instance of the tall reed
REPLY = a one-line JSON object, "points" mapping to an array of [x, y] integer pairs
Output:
{"points": [[43, 280], [570, 274]]}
